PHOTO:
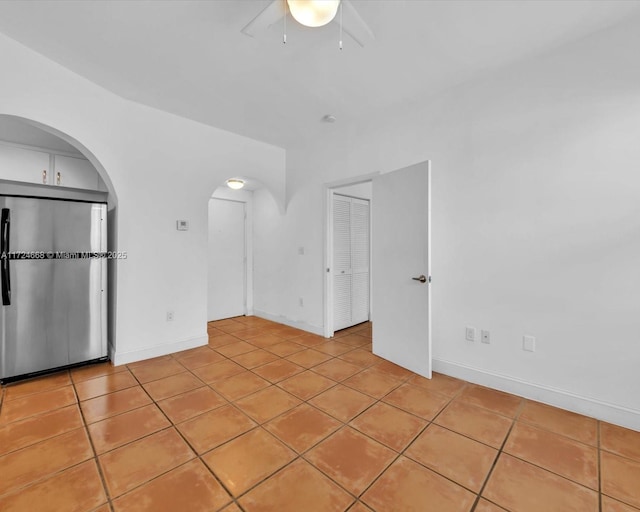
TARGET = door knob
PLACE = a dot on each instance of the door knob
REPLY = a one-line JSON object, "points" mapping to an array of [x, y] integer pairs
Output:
{"points": [[422, 279]]}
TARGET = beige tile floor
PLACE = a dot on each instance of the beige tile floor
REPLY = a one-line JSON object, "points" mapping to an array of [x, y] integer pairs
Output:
{"points": [[270, 418]]}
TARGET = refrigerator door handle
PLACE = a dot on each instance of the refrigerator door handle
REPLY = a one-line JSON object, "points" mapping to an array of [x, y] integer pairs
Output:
{"points": [[5, 225]]}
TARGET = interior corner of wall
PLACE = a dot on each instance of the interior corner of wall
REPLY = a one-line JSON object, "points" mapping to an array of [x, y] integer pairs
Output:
{"points": [[282, 206], [280, 197]]}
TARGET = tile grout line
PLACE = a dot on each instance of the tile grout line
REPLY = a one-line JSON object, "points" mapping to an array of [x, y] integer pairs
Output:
{"points": [[395, 459], [432, 422], [356, 496], [261, 426], [41, 440], [467, 436], [599, 449], [552, 472], [93, 448], [173, 426], [235, 499], [44, 478], [139, 438], [549, 430], [3, 389], [401, 453], [516, 420], [500, 452]]}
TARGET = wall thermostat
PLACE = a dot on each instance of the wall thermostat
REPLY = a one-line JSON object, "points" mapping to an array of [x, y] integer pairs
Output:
{"points": [[182, 225]]}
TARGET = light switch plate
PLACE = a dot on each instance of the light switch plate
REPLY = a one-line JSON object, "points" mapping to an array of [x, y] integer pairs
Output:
{"points": [[470, 334], [529, 343], [182, 225]]}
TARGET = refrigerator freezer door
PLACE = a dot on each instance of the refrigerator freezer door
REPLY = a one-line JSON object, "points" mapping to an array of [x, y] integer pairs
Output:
{"points": [[57, 314]]}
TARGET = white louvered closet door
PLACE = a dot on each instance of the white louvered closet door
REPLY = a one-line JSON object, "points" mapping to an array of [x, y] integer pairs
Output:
{"points": [[341, 262], [350, 261], [359, 261]]}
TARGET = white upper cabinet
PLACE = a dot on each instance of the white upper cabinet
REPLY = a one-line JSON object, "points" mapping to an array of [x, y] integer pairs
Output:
{"points": [[74, 172], [37, 165], [18, 164]]}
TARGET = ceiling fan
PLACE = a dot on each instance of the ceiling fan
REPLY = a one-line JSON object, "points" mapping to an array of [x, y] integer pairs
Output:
{"points": [[312, 13]]}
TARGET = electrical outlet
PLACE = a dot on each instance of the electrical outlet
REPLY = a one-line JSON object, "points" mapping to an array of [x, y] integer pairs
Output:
{"points": [[529, 343], [486, 337], [470, 334], [300, 302], [169, 316]]}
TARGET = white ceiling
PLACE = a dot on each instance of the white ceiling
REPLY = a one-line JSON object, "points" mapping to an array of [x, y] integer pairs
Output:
{"points": [[189, 57]]}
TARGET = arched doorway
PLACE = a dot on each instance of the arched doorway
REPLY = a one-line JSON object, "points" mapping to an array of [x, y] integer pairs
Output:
{"points": [[230, 253], [46, 162]]}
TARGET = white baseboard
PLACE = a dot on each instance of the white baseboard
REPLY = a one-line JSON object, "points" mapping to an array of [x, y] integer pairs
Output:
{"points": [[118, 357], [283, 320], [587, 406]]}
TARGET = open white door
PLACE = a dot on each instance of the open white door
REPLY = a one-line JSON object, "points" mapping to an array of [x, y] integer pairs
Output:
{"points": [[401, 209]]}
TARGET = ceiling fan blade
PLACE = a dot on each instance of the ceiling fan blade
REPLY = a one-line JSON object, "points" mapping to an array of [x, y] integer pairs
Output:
{"points": [[269, 15], [354, 25]]}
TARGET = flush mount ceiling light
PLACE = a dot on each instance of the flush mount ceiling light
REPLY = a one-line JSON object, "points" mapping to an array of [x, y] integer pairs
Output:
{"points": [[235, 184], [313, 13]]}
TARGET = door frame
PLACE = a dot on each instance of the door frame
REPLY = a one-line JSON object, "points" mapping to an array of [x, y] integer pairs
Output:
{"points": [[329, 190], [247, 200]]}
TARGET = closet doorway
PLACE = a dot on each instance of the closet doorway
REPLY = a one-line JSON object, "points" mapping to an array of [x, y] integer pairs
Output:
{"points": [[349, 256]]}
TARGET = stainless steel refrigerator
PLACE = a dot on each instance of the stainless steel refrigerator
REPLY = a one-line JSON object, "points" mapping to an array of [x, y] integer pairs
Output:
{"points": [[53, 266]]}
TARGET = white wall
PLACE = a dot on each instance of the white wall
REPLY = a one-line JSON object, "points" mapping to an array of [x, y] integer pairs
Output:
{"points": [[281, 274], [162, 168], [536, 222]]}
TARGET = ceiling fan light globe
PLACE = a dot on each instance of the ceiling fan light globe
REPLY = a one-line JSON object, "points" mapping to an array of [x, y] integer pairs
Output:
{"points": [[313, 13]]}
